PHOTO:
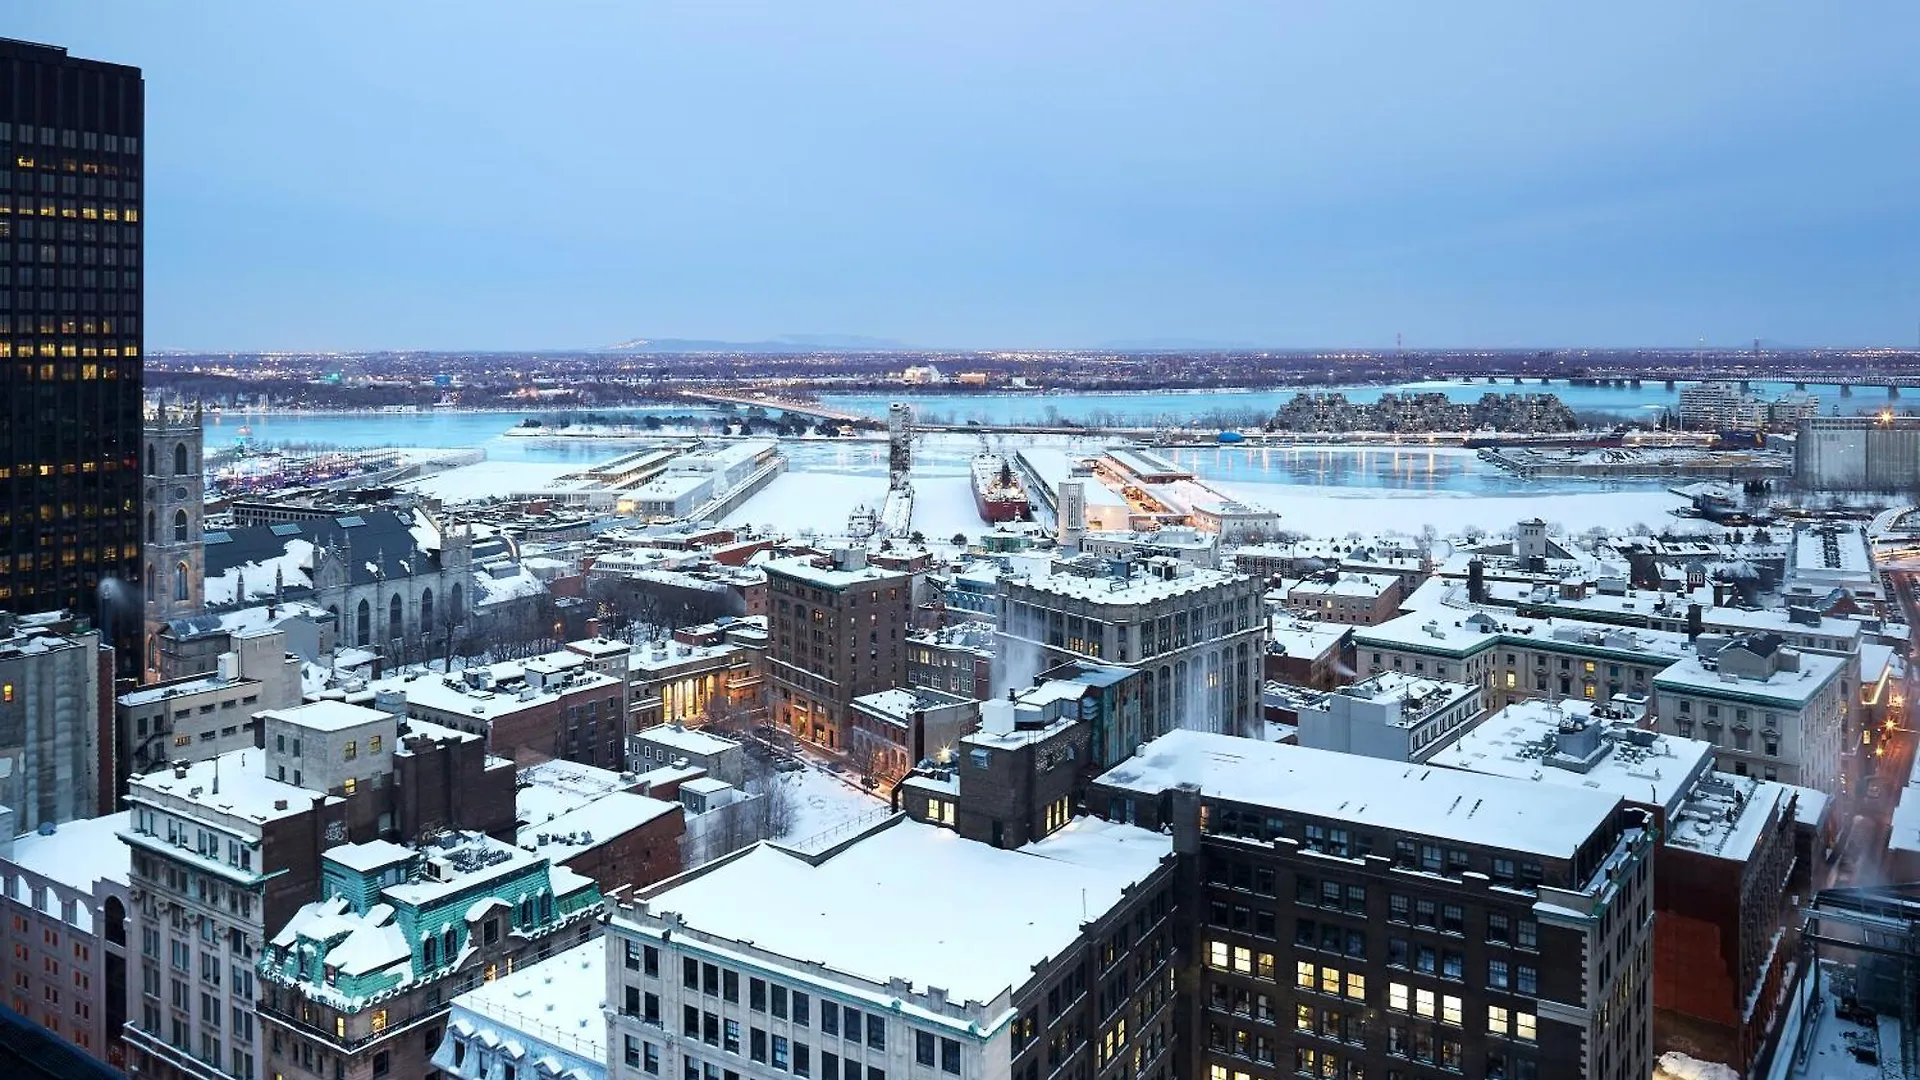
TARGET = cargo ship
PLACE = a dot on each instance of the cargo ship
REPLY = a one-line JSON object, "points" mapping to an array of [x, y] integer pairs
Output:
{"points": [[997, 491]]}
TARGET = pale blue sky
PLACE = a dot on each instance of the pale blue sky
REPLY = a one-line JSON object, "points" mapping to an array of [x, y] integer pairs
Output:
{"points": [[1040, 173]]}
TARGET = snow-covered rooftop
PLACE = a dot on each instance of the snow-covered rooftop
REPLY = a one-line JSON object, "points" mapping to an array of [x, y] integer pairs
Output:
{"points": [[801, 568], [1136, 588], [369, 856], [557, 1001], [256, 579], [1418, 799], [606, 818], [1509, 743], [686, 740], [984, 916], [243, 789], [1346, 584], [433, 691], [328, 715], [1789, 689], [78, 853]]}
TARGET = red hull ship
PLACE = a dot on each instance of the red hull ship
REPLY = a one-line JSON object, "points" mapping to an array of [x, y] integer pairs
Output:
{"points": [[997, 491]]}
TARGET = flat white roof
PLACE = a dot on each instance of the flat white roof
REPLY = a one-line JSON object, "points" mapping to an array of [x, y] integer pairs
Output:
{"points": [[1138, 588], [1781, 621], [591, 824], [328, 715], [1791, 689], [369, 856], [801, 568], [983, 916], [1508, 744], [243, 789], [431, 691], [1348, 584], [561, 995], [1417, 799], [685, 739], [78, 853]]}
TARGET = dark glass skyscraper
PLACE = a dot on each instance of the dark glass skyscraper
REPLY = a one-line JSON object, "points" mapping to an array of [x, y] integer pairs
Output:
{"points": [[70, 331]]}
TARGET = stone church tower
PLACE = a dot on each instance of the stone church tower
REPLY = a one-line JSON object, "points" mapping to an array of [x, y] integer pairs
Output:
{"points": [[173, 557]]}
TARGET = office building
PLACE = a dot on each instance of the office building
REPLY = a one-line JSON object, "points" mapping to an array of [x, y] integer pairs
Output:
{"points": [[1358, 917], [710, 975], [1723, 865], [71, 260], [1392, 715], [203, 716], [839, 631], [1198, 634], [54, 683], [1768, 710], [1721, 406]]}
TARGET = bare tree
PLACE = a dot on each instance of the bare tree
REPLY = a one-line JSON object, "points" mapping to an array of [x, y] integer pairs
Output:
{"points": [[862, 756]]}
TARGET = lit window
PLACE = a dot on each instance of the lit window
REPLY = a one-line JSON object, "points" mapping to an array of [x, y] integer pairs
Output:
{"points": [[1497, 1019], [1303, 974], [1423, 1002], [373, 745], [379, 1021], [1450, 1010], [1217, 954], [1356, 986], [1397, 997], [351, 784], [353, 749], [1523, 1024], [6, 693]]}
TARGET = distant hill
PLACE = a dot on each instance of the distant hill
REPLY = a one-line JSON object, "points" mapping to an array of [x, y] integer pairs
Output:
{"points": [[795, 343], [1174, 343]]}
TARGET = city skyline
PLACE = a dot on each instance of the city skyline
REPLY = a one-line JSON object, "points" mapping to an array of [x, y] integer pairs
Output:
{"points": [[1070, 177]]}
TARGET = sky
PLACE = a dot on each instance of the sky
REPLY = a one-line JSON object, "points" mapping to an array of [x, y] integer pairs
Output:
{"points": [[1073, 173]]}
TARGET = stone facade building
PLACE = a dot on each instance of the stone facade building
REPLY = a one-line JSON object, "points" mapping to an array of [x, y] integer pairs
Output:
{"points": [[1197, 634], [355, 986]]}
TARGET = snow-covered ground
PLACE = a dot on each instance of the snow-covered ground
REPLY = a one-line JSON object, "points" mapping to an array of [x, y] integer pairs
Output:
{"points": [[943, 506], [827, 809], [491, 478], [1339, 511], [817, 501]]}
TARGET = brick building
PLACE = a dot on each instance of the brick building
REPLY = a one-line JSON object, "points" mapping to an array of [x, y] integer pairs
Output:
{"points": [[1359, 917], [599, 823], [550, 706], [838, 631], [1341, 597], [1722, 868], [224, 849]]}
